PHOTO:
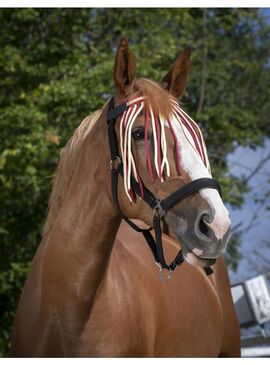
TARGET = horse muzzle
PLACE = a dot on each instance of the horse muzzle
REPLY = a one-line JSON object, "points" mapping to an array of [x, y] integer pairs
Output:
{"points": [[202, 240]]}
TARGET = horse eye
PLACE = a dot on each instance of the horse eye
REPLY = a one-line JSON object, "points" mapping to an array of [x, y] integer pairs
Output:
{"points": [[138, 134]]}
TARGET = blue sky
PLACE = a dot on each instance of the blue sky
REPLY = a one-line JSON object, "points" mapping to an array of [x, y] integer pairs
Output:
{"points": [[249, 159], [240, 163]]}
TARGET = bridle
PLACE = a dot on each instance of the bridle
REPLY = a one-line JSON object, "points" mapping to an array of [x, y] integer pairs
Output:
{"points": [[159, 207]]}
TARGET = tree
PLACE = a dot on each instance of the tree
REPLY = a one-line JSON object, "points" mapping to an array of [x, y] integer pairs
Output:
{"points": [[56, 67]]}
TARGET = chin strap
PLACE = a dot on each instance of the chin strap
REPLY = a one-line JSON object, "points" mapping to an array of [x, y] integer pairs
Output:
{"points": [[159, 207]]}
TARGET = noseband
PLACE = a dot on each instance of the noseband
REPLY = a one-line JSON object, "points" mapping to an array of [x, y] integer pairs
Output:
{"points": [[159, 207]]}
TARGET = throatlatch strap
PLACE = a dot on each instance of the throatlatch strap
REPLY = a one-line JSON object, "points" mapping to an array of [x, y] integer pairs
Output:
{"points": [[114, 183], [146, 232], [156, 247]]}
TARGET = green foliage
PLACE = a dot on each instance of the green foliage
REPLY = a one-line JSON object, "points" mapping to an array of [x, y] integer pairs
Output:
{"points": [[56, 67], [232, 255], [11, 282]]}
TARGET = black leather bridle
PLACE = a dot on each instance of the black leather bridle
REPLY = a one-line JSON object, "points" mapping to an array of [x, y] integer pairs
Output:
{"points": [[159, 207]]}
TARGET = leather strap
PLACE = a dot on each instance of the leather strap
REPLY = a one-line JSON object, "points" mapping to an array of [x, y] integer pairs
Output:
{"points": [[189, 189], [113, 113]]}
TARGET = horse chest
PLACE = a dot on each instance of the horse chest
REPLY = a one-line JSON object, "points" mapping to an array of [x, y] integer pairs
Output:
{"points": [[150, 318]]}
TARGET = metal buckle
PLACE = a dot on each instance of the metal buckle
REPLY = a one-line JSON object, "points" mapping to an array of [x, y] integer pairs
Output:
{"points": [[158, 210], [112, 167]]}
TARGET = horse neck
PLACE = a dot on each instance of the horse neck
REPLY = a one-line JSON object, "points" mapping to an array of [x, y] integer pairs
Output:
{"points": [[78, 246]]}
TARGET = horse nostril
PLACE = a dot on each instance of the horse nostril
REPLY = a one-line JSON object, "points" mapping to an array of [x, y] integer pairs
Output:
{"points": [[204, 228]]}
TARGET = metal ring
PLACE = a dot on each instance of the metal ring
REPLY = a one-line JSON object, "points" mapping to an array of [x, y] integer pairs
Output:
{"points": [[161, 276], [112, 162], [158, 210]]}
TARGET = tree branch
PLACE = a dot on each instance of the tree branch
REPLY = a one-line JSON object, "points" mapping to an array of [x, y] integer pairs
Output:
{"points": [[257, 168]]}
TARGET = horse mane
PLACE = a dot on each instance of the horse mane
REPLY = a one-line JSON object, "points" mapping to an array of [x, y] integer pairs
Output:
{"points": [[157, 97], [65, 169]]}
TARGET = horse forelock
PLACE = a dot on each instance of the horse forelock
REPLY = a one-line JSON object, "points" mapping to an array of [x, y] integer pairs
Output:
{"points": [[65, 168], [160, 99], [160, 109]]}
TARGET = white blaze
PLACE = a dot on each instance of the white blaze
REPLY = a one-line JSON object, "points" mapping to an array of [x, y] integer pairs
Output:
{"points": [[193, 165]]}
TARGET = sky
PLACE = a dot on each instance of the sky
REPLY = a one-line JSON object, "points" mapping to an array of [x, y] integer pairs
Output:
{"points": [[240, 163]]}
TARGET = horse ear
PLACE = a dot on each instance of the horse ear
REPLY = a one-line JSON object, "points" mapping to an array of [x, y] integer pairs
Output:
{"points": [[124, 68], [176, 79]]}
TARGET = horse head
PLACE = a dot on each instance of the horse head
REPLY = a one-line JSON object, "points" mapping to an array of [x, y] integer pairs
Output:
{"points": [[163, 149]]}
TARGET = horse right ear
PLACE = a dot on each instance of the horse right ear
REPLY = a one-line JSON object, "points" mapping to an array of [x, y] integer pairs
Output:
{"points": [[124, 68], [176, 79]]}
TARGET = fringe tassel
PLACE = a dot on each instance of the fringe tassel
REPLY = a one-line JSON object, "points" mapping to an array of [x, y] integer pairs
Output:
{"points": [[161, 163]]}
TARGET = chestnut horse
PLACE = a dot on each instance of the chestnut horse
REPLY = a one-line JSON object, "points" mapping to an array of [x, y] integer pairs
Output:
{"points": [[93, 288]]}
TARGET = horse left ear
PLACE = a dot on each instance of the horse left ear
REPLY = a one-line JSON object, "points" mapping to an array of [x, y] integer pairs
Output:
{"points": [[124, 68], [176, 79]]}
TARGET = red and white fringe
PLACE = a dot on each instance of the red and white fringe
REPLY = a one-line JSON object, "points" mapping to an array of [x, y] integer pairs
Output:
{"points": [[161, 163]]}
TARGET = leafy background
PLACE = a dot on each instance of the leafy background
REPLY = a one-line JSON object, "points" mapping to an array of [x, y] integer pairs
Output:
{"points": [[56, 68]]}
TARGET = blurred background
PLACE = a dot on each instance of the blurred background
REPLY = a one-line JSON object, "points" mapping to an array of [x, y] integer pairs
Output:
{"points": [[56, 67]]}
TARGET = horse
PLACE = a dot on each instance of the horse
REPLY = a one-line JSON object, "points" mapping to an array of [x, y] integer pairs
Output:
{"points": [[94, 289]]}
